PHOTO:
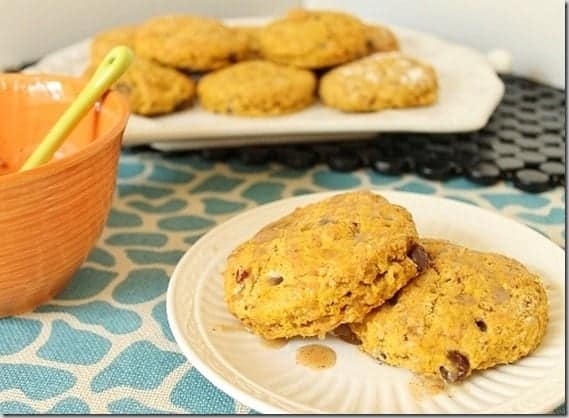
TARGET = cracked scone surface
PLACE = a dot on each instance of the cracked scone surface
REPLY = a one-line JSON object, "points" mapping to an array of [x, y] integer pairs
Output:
{"points": [[314, 39], [469, 311], [257, 88], [150, 88], [380, 81], [192, 43], [322, 265]]}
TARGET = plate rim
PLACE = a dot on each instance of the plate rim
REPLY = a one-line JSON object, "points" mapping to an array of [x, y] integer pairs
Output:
{"points": [[243, 396]]}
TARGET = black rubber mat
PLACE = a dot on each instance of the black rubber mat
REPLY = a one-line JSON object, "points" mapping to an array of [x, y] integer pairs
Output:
{"points": [[524, 141]]}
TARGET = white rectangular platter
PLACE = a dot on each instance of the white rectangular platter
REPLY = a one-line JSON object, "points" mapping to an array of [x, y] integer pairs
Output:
{"points": [[470, 90]]}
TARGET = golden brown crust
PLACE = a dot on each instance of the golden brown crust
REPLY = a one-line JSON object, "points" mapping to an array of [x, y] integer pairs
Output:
{"points": [[324, 264], [314, 39], [191, 43], [470, 311], [151, 88], [257, 88], [379, 81]]}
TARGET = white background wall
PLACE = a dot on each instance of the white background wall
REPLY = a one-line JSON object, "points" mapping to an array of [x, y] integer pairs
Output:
{"points": [[32, 28], [533, 30]]}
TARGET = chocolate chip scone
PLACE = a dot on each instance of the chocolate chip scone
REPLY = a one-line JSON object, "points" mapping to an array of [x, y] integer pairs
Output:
{"points": [[104, 41], [153, 89], [251, 35], [257, 88], [150, 88], [314, 39], [323, 265], [468, 311], [380, 38], [192, 43], [379, 81]]}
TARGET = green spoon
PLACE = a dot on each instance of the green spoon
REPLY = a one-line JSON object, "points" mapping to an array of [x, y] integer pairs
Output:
{"points": [[115, 63]]}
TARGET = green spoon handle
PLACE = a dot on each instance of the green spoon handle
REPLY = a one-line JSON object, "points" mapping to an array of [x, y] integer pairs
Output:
{"points": [[111, 68]]}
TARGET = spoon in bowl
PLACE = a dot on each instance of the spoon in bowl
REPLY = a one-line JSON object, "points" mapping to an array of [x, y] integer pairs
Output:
{"points": [[115, 63]]}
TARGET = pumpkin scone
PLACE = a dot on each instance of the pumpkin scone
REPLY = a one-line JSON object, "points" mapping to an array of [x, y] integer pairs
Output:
{"points": [[150, 88], [257, 88], [314, 39], [379, 81], [468, 311], [104, 41], [153, 89], [324, 264], [192, 43], [379, 38], [251, 35]]}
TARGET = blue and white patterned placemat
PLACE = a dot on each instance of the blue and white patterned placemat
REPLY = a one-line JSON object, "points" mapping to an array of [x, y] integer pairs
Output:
{"points": [[104, 346]]}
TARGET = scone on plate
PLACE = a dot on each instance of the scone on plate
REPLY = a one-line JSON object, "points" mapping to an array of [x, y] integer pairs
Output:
{"points": [[251, 35], [104, 41], [469, 311], [380, 38], [151, 88], [257, 88], [323, 265], [379, 81], [191, 43], [314, 39]]}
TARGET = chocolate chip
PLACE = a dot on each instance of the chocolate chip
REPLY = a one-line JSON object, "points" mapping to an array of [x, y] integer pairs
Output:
{"points": [[480, 324], [419, 257], [241, 274], [459, 367], [378, 277], [461, 361], [445, 374], [382, 355], [345, 333], [394, 299], [274, 280]]}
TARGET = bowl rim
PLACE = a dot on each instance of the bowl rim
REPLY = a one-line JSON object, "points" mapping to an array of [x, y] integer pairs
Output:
{"points": [[88, 151]]}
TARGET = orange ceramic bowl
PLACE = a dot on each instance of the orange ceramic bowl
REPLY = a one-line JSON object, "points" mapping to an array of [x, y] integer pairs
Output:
{"points": [[51, 216]]}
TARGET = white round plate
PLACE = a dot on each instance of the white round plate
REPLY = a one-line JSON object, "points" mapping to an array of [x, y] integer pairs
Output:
{"points": [[269, 380]]}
